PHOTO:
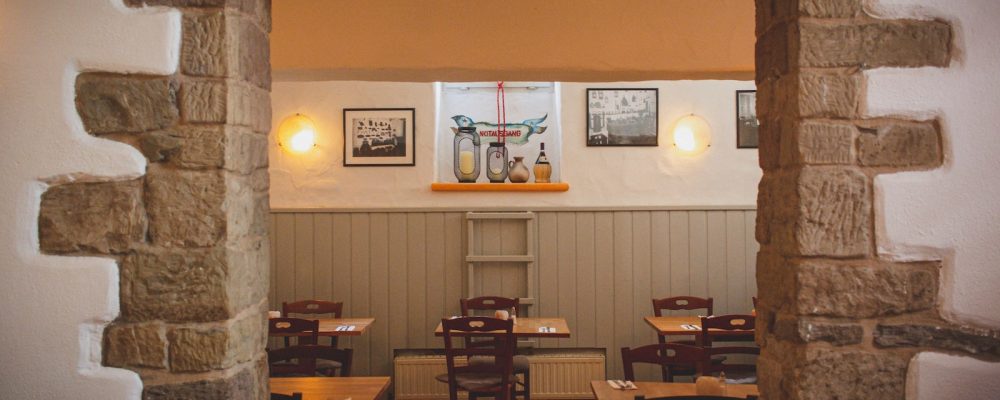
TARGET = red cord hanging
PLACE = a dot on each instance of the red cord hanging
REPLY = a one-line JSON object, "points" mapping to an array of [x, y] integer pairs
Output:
{"points": [[501, 105]]}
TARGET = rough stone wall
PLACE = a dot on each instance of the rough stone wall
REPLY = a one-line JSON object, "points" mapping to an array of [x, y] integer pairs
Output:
{"points": [[836, 320], [190, 236]]}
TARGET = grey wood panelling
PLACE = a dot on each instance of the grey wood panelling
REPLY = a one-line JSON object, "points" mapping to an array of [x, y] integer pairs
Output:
{"points": [[597, 269]]}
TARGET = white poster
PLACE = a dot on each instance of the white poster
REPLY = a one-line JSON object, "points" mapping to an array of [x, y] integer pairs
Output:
{"points": [[531, 120]]}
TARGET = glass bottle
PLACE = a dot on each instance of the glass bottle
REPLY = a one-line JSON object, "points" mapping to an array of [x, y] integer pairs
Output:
{"points": [[466, 162], [496, 162], [543, 170]]}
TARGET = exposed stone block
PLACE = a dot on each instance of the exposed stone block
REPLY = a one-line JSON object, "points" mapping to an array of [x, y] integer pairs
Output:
{"points": [[249, 106], [248, 270], [830, 95], [111, 103], [829, 8], [939, 335], [224, 44], [198, 350], [833, 217], [900, 144], [135, 345], [246, 151], [248, 383], [828, 374], [176, 285], [204, 101], [158, 146], [186, 208], [899, 43], [804, 330], [851, 290], [772, 52], [819, 143], [98, 217]]}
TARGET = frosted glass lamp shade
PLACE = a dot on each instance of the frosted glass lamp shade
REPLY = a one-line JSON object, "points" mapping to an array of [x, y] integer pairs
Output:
{"points": [[692, 135], [297, 134]]}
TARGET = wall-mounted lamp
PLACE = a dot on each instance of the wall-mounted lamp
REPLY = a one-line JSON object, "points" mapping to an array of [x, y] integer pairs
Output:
{"points": [[297, 134], [692, 135]]}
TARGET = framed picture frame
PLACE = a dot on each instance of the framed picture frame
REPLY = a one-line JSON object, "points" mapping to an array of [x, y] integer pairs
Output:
{"points": [[747, 125], [379, 137], [623, 117]]}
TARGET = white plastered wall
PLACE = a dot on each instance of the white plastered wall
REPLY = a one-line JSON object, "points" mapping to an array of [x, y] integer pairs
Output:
{"points": [[54, 308], [952, 213], [598, 176]]}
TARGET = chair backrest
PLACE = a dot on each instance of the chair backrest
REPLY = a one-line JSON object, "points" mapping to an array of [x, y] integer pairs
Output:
{"points": [[293, 396], [682, 303], [306, 330], [728, 365], [307, 356], [731, 322], [312, 307], [663, 354], [490, 303], [501, 347]]}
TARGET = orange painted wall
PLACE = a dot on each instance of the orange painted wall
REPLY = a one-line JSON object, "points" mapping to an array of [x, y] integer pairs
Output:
{"points": [[473, 40]]}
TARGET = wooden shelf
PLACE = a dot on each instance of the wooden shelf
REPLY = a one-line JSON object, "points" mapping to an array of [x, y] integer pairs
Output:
{"points": [[498, 259], [499, 187]]}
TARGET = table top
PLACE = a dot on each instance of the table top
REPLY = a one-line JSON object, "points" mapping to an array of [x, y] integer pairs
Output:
{"points": [[529, 327], [603, 391], [328, 326], [333, 388], [675, 326]]}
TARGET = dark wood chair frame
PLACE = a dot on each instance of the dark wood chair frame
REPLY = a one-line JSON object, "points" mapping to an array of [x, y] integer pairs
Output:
{"points": [[501, 349], [306, 355], [293, 396], [728, 322], [493, 303], [313, 307], [664, 354], [678, 303]]}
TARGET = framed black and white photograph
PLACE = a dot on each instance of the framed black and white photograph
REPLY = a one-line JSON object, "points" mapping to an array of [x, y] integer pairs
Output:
{"points": [[746, 119], [622, 117], [379, 137]]}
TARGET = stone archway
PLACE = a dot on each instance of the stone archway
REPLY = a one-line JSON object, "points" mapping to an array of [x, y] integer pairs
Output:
{"points": [[837, 320], [190, 236]]}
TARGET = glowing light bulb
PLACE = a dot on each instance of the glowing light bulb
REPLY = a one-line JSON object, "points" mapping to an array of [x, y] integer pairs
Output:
{"points": [[692, 135], [297, 134], [684, 139]]}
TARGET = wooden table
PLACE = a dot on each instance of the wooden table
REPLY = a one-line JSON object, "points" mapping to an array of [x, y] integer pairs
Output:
{"points": [[335, 388], [528, 327], [603, 391], [328, 327], [673, 326]]}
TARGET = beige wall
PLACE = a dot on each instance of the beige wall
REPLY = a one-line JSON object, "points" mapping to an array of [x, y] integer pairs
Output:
{"points": [[559, 40], [597, 269]]}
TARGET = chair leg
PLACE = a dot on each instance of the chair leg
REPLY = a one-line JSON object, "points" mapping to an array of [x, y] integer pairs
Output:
{"points": [[527, 385]]}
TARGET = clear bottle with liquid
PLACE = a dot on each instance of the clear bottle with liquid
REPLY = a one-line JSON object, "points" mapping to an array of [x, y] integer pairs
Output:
{"points": [[543, 170]]}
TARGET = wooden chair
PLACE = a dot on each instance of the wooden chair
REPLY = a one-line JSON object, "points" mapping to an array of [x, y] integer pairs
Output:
{"points": [[494, 378], [304, 332], [663, 354], [679, 303], [282, 364], [313, 308], [729, 322], [293, 396], [493, 303]]}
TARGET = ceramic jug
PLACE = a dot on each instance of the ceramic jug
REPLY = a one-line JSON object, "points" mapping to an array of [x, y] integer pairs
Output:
{"points": [[519, 172]]}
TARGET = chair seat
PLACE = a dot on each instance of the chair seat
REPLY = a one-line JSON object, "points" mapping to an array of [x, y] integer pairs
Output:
{"points": [[521, 364], [476, 381]]}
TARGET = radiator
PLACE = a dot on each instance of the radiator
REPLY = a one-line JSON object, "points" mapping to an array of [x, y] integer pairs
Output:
{"points": [[555, 374]]}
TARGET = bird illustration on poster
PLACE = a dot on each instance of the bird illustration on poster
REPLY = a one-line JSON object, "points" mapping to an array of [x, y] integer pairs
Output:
{"points": [[516, 133]]}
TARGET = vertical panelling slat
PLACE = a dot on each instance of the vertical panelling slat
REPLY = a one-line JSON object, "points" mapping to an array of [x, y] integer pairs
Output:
{"points": [[360, 299], [454, 261], [303, 256], [342, 249], [604, 269], [435, 274], [680, 273], [566, 243], [736, 255], [548, 264], [750, 220], [659, 275], [398, 320], [698, 253], [323, 260], [512, 280], [716, 233], [490, 274], [381, 357], [586, 309], [284, 255], [416, 276], [624, 302], [641, 287]]}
